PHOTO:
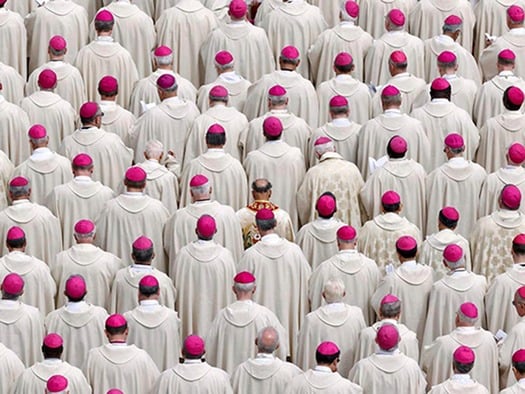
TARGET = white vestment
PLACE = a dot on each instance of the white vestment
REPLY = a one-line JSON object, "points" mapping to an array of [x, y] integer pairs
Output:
{"points": [[14, 37], [514, 40], [491, 190], [344, 134], [459, 384], [12, 367], [237, 88], [318, 240], [117, 120], [12, 82], [161, 184], [372, 13], [322, 381], [15, 125]]}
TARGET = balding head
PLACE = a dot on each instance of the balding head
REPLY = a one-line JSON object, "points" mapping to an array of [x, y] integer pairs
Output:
{"points": [[261, 189], [267, 340]]}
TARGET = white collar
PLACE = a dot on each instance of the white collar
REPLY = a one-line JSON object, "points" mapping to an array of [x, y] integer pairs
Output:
{"points": [[192, 361], [341, 122], [40, 154], [387, 353], [440, 100], [322, 369], [104, 39], [77, 307], [462, 378], [83, 179], [458, 162], [271, 239], [391, 112], [444, 39]]}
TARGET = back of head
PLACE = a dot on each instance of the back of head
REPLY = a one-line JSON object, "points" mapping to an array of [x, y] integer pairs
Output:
{"points": [[267, 340], [467, 314], [333, 290], [193, 347], [142, 250], [104, 21], [463, 360]]}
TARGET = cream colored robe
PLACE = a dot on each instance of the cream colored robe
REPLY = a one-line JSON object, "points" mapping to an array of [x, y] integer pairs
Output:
{"points": [[53, 170], [81, 329], [404, 176], [98, 268], [294, 23], [161, 184], [436, 359], [117, 120], [6, 171], [52, 111], [372, 13], [338, 322], [344, 134], [40, 288], [383, 373], [497, 135], [146, 90], [410, 88], [42, 229], [12, 83], [160, 6], [359, 274], [517, 388], [456, 183], [15, 125], [127, 367], [490, 192], [302, 98], [318, 240], [446, 297], [514, 341], [261, 375], [12, 367], [91, 6], [452, 386], [157, 331], [70, 85], [234, 122], [265, 8], [202, 265], [111, 157], [356, 92], [247, 43], [376, 61], [513, 40], [408, 343], [15, 318], [282, 274], [193, 378], [375, 134], [230, 339], [344, 37], [329, 9], [127, 217], [180, 228], [169, 122], [100, 58], [338, 176], [62, 17], [185, 28], [322, 382], [14, 37], [237, 88], [34, 379], [283, 165]]}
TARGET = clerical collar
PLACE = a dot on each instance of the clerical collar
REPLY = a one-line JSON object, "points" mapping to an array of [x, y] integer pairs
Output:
{"points": [[392, 112], [9, 304], [108, 104], [216, 150], [204, 241], [461, 378], [521, 382], [21, 201], [349, 251], [273, 142], [153, 161], [240, 22], [41, 154], [134, 194], [104, 39], [396, 32], [77, 307], [341, 122], [444, 39], [322, 369], [449, 77], [149, 305], [230, 76], [265, 355], [2, 98], [440, 101], [344, 77], [279, 111], [192, 361], [322, 222], [458, 273], [388, 353], [141, 267], [271, 238], [467, 329], [174, 100], [83, 179], [52, 361], [118, 344], [401, 75], [347, 24], [335, 306], [458, 162], [506, 73], [410, 264], [517, 31]]}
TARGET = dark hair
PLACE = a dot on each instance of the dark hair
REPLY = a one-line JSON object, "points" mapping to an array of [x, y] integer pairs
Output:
{"points": [[52, 352], [76, 299], [518, 248], [445, 93], [148, 290], [117, 330], [394, 155], [104, 26], [448, 223], [344, 69], [135, 185], [272, 137], [108, 94], [261, 189], [391, 207], [325, 359], [142, 255], [506, 102], [520, 367], [16, 243], [463, 368], [215, 139], [266, 225], [407, 254]]}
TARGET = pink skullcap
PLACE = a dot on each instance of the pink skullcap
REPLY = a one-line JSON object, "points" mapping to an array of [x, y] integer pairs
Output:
{"points": [[521, 291], [464, 355], [446, 57], [515, 13], [37, 131], [389, 299], [450, 213], [398, 57], [19, 181], [326, 205], [406, 243], [277, 90], [519, 239], [162, 51], [469, 310], [206, 226], [454, 141], [104, 16], [223, 58], [116, 320], [440, 84], [57, 384], [507, 54], [346, 233], [15, 233], [142, 243], [264, 214], [272, 126], [166, 81], [511, 196], [193, 345], [453, 253], [53, 341], [75, 287], [452, 20], [327, 348], [218, 91], [290, 52], [82, 160], [390, 197], [149, 281], [338, 101], [84, 226], [238, 8], [322, 140], [13, 284], [517, 153], [518, 356], [108, 84], [47, 79], [115, 391], [198, 180], [387, 337], [390, 90], [58, 43], [88, 110], [352, 8], [136, 174], [244, 277], [3, 1], [216, 129], [398, 144], [397, 17], [343, 59], [515, 95]]}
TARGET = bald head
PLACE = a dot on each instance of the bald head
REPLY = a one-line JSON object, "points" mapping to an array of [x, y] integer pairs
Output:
{"points": [[267, 340], [261, 189]]}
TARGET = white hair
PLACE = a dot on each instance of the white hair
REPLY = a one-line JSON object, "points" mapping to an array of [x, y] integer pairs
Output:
{"points": [[323, 148], [333, 290], [154, 148], [163, 60]]}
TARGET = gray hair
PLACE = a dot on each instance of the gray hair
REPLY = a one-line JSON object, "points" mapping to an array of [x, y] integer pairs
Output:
{"points": [[38, 141], [243, 287], [333, 290], [322, 149], [390, 309], [163, 60], [277, 100], [154, 148], [270, 346], [19, 191], [455, 265], [465, 319]]}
